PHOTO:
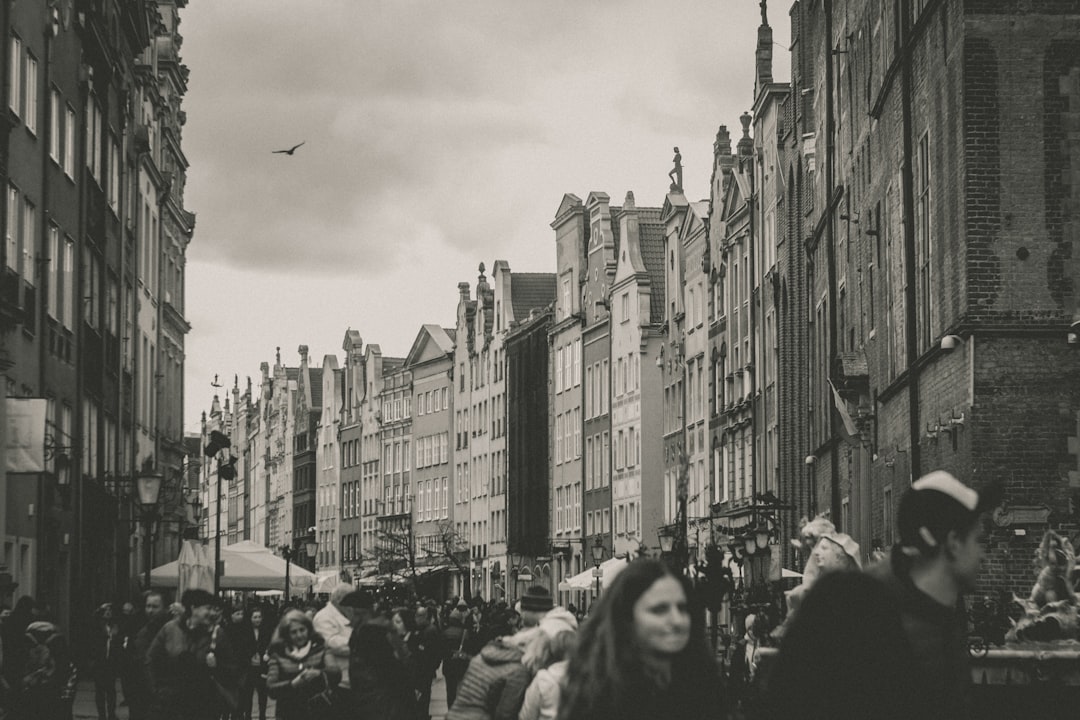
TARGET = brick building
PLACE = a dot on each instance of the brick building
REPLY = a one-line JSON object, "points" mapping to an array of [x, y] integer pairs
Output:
{"points": [[934, 201]]}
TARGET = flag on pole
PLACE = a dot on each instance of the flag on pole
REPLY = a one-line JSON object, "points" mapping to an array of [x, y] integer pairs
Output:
{"points": [[841, 406]]}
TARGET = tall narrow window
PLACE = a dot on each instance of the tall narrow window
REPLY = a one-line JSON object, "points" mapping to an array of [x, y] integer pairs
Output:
{"points": [[56, 120], [15, 74], [53, 274], [67, 302], [11, 235], [924, 242], [30, 112], [69, 142], [29, 241]]}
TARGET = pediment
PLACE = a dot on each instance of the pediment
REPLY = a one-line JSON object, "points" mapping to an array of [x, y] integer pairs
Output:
{"points": [[431, 343]]}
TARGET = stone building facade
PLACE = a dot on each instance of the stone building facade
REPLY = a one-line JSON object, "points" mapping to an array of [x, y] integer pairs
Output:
{"points": [[91, 294]]}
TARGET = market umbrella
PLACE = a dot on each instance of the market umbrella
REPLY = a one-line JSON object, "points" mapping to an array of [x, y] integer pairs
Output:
{"points": [[194, 568], [248, 566], [585, 580]]}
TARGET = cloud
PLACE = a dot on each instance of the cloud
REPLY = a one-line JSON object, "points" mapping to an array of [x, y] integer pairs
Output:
{"points": [[438, 135]]}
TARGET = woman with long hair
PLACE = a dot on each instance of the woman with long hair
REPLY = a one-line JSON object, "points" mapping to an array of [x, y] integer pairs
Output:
{"points": [[642, 653], [298, 676]]}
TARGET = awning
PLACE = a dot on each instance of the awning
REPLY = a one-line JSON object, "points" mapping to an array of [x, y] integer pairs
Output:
{"points": [[248, 566], [586, 579]]}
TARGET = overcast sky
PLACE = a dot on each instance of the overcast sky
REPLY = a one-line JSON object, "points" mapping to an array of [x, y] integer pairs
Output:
{"points": [[439, 134]]}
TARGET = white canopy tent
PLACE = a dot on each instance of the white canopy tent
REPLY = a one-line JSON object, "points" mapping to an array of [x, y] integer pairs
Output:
{"points": [[585, 580], [248, 566]]}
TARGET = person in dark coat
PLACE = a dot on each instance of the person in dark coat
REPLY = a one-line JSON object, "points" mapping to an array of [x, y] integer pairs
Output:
{"points": [[140, 699], [381, 684], [106, 659], [238, 632], [844, 657], [455, 638], [16, 645], [428, 653], [298, 674], [190, 664], [261, 635]]}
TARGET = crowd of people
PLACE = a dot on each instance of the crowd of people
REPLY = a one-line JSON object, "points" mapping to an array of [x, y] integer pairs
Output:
{"points": [[892, 635]]}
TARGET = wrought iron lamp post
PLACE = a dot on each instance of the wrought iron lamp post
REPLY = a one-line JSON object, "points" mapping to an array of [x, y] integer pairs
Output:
{"points": [[598, 557], [148, 486], [287, 553]]}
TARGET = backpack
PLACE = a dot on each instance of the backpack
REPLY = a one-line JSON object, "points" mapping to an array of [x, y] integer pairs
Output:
{"points": [[42, 668]]}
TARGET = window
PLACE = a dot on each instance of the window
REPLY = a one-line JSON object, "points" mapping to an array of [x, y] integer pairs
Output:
{"points": [[558, 370], [577, 363], [29, 235], [625, 301], [114, 175], [30, 107], [15, 74], [67, 301], [69, 143], [93, 137], [56, 120], [567, 301], [11, 238], [924, 241], [53, 275]]}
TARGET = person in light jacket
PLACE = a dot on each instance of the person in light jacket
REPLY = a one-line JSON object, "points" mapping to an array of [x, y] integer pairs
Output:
{"points": [[298, 670], [547, 657]]}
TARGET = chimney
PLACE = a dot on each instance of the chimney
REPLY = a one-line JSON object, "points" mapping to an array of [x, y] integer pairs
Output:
{"points": [[722, 149], [746, 143], [763, 75]]}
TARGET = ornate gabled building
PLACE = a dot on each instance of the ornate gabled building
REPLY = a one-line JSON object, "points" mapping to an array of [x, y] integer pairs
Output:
{"points": [[567, 396], [480, 479], [599, 274], [308, 457], [685, 367], [332, 457], [430, 362], [636, 299]]}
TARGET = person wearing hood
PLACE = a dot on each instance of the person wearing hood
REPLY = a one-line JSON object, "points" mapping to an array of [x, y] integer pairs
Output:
{"points": [[494, 684], [547, 657]]}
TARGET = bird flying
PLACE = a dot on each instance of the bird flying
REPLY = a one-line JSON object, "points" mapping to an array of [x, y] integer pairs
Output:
{"points": [[290, 151]]}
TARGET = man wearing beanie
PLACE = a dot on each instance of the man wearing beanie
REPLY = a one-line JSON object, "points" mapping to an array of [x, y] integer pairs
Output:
{"points": [[534, 604], [936, 561]]}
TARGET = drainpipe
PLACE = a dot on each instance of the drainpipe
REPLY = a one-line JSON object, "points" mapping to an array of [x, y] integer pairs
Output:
{"points": [[830, 254], [911, 335]]}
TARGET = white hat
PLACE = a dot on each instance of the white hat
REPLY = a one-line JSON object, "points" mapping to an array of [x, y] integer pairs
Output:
{"points": [[945, 483], [558, 620], [846, 543]]}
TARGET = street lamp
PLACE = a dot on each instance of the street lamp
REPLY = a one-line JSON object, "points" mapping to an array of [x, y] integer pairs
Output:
{"points": [[312, 545], [597, 557], [148, 486], [287, 552], [667, 539]]}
